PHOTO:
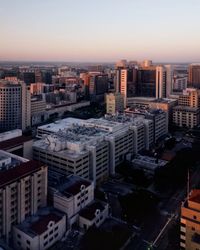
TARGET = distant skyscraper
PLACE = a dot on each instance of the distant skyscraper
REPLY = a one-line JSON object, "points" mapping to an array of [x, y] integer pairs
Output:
{"points": [[194, 75], [98, 86], [152, 81], [147, 63]]}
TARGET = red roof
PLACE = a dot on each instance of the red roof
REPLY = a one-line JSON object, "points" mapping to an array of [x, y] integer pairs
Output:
{"points": [[76, 187], [89, 211], [15, 173], [40, 226], [11, 143], [195, 196]]}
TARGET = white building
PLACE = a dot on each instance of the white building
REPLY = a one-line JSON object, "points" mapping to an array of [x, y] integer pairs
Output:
{"points": [[40, 231], [71, 195], [93, 214], [92, 148]]}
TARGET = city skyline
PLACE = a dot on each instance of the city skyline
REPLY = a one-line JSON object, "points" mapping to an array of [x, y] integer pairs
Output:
{"points": [[99, 31]]}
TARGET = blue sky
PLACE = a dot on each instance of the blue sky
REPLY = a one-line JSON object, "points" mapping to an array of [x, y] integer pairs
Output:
{"points": [[100, 30]]}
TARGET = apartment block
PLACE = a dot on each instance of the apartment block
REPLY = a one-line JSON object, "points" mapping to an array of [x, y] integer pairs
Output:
{"points": [[184, 116], [23, 190]]}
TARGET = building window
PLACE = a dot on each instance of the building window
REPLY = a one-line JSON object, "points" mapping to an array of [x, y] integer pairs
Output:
{"points": [[28, 242], [45, 243], [194, 217], [193, 229]]}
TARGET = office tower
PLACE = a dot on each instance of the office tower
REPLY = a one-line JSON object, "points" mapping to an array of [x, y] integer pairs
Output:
{"points": [[147, 63], [169, 79], [47, 76], [121, 64], [194, 75], [179, 83], [98, 86], [151, 81], [161, 82], [114, 103], [28, 77], [38, 75], [190, 220], [127, 83], [146, 81], [23, 189]]}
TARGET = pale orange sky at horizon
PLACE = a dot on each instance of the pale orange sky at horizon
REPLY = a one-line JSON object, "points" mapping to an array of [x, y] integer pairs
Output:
{"points": [[100, 31]]}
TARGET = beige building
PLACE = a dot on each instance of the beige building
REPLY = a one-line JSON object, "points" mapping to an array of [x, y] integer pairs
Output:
{"points": [[184, 116], [190, 222], [190, 98], [23, 190], [38, 111], [40, 231], [114, 103]]}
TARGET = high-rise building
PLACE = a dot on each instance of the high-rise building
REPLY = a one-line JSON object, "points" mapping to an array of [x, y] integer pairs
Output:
{"points": [[98, 86], [10, 106], [194, 75], [114, 103], [190, 220], [14, 105], [126, 82], [23, 190], [28, 77]]}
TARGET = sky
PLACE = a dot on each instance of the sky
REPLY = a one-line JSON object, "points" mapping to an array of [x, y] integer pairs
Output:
{"points": [[100, 30]]}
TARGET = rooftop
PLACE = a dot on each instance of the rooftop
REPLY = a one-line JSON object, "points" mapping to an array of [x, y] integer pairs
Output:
{"points": [[89, 211], [149, 162], [10, 143], [17, 172], [68, 186], [38, 224], [195, 196], [186, 108]]}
